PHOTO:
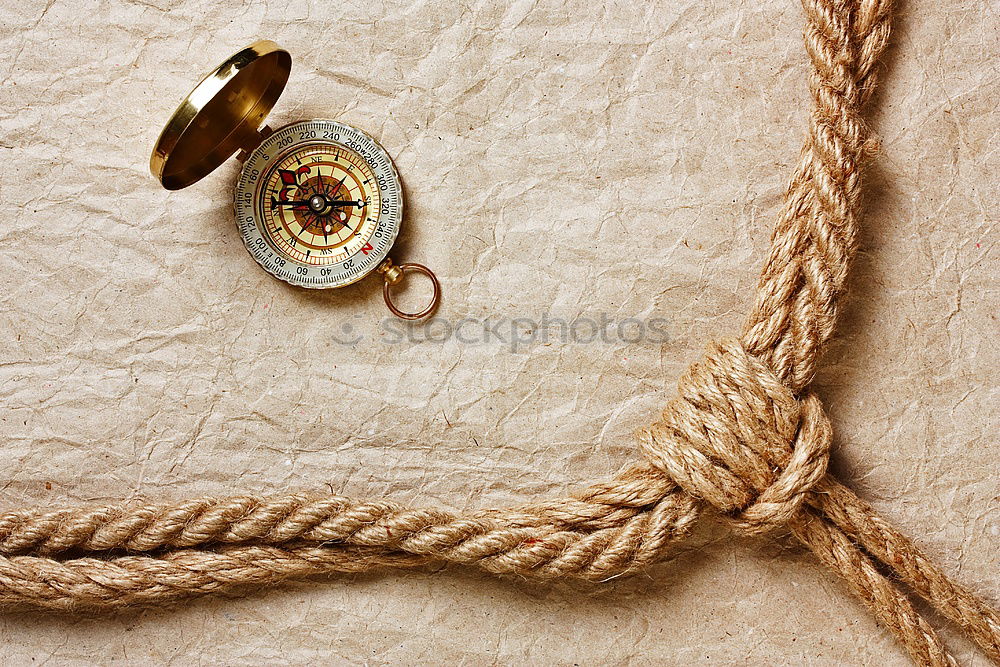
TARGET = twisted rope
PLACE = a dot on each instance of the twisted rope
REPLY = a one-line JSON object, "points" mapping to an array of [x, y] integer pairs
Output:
{"points": [[743, 435]]}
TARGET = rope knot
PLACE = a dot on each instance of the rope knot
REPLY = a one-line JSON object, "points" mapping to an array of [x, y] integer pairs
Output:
{"points": [[738, 438]]}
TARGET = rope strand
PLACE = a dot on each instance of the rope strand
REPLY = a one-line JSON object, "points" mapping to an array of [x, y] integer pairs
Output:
{"points": [[858, 520]]}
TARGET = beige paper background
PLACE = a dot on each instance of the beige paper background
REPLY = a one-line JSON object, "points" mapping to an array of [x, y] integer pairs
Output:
{"points": [[571, 158]]}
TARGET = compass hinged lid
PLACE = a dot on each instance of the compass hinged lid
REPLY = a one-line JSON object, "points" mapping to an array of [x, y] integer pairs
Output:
{"points": [[221, 115]]}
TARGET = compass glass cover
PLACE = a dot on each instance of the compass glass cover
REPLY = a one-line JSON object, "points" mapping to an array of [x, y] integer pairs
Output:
{"points": [[319, 204]]}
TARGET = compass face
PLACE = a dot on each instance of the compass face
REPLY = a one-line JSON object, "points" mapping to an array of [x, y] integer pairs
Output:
{"points": [[319, 204]]}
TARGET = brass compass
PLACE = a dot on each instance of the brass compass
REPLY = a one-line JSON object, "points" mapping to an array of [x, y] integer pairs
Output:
{"points": [[318, 202]]}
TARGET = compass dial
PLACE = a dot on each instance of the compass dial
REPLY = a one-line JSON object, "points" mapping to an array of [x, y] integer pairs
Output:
{"points": [[319, 204]]}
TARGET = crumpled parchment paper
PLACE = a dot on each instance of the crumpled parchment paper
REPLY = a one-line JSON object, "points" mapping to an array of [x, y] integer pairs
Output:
{"points": [[563, 163]]}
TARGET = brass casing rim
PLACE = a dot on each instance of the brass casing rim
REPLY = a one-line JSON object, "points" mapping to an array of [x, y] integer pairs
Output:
{"points": [[221, 115]]}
